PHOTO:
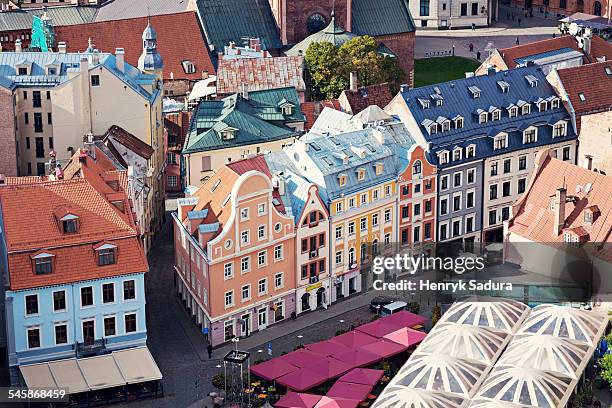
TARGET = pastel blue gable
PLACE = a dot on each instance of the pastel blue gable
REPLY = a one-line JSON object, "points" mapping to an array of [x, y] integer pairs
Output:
{"points": [[449, 114]]}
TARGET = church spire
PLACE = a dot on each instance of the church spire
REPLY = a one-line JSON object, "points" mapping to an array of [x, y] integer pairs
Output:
{"points": [[149, 60]]}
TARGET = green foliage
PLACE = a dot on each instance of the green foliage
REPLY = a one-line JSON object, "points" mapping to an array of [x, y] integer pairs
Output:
{"points": [[605, 366], [330, 66], [299, 346], [414, 307], [218, 381], [339, 332], [436, 314]]}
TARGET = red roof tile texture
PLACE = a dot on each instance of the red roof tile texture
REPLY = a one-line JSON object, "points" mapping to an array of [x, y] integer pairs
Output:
{"points": [[179, 38], [260, 73], [365, 96], [593, 81], [535, 220], [130, 141], [599, 48], [312, 110]]}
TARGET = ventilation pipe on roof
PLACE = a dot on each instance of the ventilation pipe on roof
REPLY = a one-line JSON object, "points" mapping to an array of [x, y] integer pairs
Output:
{"points": [[353, 80], [18, 45], [62, 47], [278, 182], [2, 180], [559, 221]]}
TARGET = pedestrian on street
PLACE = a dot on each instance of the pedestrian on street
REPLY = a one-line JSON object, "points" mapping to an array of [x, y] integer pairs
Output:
{"points": [[597, 404], [478, 55], [517, 41], [209, 349], [512, 16], [471, 47], [473, 27], [554, 35], [519, 21]]}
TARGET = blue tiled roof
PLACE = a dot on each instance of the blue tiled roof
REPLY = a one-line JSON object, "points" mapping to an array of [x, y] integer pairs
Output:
{"points": [[66, 63], [297, 191], [197, 215], [534, 57], [458, 101]]}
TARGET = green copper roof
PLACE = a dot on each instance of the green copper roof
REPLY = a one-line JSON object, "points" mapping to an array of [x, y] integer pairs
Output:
{"points": [[257, 119], [333, 34], [381, 17]]}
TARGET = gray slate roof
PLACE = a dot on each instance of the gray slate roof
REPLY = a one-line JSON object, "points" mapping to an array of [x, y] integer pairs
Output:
{"points": [[381, 17], [123, 9], [231, 20], [61, 16]]}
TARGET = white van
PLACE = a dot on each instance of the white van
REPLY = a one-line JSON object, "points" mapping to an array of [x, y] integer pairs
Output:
{"points": [[393, 308]]}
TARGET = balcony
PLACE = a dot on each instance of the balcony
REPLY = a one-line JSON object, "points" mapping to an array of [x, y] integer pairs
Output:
{"points": [[90, 348]]}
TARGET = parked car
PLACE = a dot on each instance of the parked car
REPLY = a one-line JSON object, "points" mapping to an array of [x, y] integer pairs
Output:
{"points": [[379, 302]]}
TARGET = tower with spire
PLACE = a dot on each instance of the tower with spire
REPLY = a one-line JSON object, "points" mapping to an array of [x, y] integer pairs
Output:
{"points": [[150, 61]]}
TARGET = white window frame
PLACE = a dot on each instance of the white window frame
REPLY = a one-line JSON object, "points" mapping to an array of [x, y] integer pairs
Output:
{"points": [[248, 264], [231, 295], [248, 290], [245, 237], [282, 280], [261, 232], [261, 209], [102, 293], [265, 259], [460, 173], [65, 301], [27, 339], [229, 266], [244, 214], [64, 323], [263, 281], [279, 253]]}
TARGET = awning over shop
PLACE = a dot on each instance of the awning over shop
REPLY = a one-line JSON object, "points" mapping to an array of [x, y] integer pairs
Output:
{"points": [[93, 373]]}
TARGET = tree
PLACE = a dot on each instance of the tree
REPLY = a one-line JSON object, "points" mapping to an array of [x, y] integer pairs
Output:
{"points": [[330, 66], [605, 367]]}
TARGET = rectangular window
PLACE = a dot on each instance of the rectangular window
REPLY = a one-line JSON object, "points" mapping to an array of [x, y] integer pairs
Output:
{"points": [[40, 147], [506, 189], [443, 206], [278, 280], [492, 217], [87, 296], [61, 333], [493, 192], [469, 224], [278, 252], [95, 80], [245, 264], [261, 232], [374, 220], [427, 231], [566, 153], [206, 163], [521, 185], [405, 211], [457, 180], [31, 302], [469, 199], [43, 265], [108, 293], [338, 257], [471, 174], [262, 258], [36, 100], [246, 292], [130, 322], [33, 337], [88, 329], [129, 290], [38, 122], [59, 301], [387, 215], [363, 224], [229, 298], [444, 182], [493, 169], [417, 209], [48, 94], [424, 8], [522, 163], [456, 228], [351, 228], [507, 165], [474, 9], [228, 270], [110, 326], [464, 8], [262, 286], [404, 236], [106, 257], [26, 120], [456, 203], [505, 213], [416, 234], [427, 206]]}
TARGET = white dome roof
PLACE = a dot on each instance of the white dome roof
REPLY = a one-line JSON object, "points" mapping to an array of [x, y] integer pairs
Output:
{"points": [[549, 353], [437, 372], [498, 313], [404, 397], [567, 322], [494, 404], [529, 387], [482, 344]]}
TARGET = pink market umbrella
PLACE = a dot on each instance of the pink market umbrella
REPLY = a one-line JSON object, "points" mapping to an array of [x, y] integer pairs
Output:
{"points": [[404, 319], [327, 347], [378, 328], [349, 391], [358, 357], [331, 367], [297, 400], [302, 380], [366, 376], [302, 358], [327, 402], [272, 369], [384, 348], [354, 339], [406, 337]]}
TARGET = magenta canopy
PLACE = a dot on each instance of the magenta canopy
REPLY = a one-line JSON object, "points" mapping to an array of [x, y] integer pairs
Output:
{"points": [[272, 369], [354, 339], [349, 390], [357, 358], [329, 402], [404, 319], [384, 348], [366, 376], [406, 337], [302, 380], [297, 400], [302, 358], [327, 347], [378, 328], [331, 367]]}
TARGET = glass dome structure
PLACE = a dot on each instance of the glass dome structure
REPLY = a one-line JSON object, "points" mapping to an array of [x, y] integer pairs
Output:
{"points": [[438, 372], [567, 322], [518, 385], [482, 344], [548, 353], [494, 404], [498, 313], [404, 397]]}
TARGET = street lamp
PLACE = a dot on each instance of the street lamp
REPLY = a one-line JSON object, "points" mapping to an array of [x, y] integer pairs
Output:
{"points": [[235, 340], [377, 310], [300, 337]]}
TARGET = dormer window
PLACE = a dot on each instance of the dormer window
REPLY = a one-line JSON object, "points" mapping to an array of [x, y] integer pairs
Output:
{"points": [[107, 254], [542, 106], [475, 91], [342, 180], [287, 110], [228, 134], [188, 67], [533, 81], [424, 103], [500, 142], [470, 151], [496, 115], [482, 118], [459, 123], [526, 109], [360, 174], [505, 87], [433, 129], [457, 153], [554, 104], [439, 102], [590, 214], [530, 135], [43, 263], [446, 126], [51, 71], [22, 71], [513, 112], [443, 157], [70, 224], [560, 129], [379, 167]]}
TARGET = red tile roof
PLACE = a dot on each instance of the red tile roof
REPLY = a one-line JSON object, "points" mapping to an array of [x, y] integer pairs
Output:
{"points": [[260, 73], [179, 38], [593, 82], [31, 225], [365, 96], [599, 48], [534, 219], [312, 110], [130, 141]]}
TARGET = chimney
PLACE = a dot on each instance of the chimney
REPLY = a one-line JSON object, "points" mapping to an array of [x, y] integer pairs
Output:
{"points": [[349, 16], [120, 59], [353, 80], [245, 91], [84, 65], [2, 179], [205, 74], [559, 221], [491, 70], [61, 47], [278, 182], [586, 44], [404, 88], [18, 45]]}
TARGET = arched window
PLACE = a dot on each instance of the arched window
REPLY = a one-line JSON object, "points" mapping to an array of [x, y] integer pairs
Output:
{"points": [[375, 248], [417, 167], [597, 8], [351, 256]]}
